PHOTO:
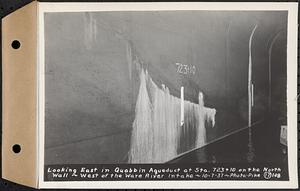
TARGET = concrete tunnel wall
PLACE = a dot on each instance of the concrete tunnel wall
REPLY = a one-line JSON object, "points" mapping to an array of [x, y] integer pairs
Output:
{"points": [[90, 98]]}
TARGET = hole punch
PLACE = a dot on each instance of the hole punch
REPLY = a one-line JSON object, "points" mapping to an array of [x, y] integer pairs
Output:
{"points": [[16, 148], [16, 44]]}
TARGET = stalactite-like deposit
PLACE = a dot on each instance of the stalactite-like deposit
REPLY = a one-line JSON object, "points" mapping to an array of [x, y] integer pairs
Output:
{"points": [[141, 148], [157, 131]]}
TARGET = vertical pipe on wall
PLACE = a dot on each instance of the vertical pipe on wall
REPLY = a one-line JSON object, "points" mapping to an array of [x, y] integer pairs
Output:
{"points": [[250, 78]]}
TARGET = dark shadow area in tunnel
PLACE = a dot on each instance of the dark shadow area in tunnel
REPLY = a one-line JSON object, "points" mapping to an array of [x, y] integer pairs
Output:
{"points": [[267, 149]]}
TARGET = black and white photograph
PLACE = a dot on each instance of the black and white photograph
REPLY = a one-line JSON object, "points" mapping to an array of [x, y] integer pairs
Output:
{"points": [[139, 90]]}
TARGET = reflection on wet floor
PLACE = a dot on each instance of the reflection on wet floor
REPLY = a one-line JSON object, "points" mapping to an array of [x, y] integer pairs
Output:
{"points": [[225, 124], [259, 144]]}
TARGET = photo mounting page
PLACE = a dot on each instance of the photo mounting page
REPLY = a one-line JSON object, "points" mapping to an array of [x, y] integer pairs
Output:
{"points": [[168, 95]]}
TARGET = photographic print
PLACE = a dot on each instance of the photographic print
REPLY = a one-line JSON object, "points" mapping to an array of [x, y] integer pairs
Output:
{"points": [[165, 95]]}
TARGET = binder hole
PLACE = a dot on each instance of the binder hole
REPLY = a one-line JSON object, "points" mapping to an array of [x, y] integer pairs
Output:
{"points": [[16, 44], [16, 148]]}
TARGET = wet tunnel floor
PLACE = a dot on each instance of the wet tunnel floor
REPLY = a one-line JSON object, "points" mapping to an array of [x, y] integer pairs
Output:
{"points": [[263, 148]]}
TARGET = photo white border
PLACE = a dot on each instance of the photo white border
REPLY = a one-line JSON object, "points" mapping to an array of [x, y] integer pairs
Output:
{"points": [[292, 9]]}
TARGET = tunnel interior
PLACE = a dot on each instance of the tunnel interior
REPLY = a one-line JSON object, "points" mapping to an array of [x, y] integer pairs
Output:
{"points": [[91, 88]]}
